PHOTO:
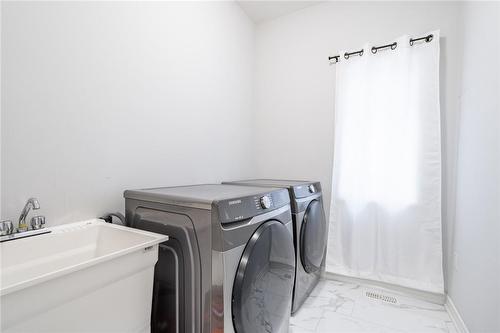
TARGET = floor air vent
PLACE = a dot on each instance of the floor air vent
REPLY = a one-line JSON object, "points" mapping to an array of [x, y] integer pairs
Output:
{"points": [[384, 298]]}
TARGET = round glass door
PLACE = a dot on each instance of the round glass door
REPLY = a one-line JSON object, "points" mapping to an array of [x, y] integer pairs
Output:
{"points": [[262, 290], [313, 237]]}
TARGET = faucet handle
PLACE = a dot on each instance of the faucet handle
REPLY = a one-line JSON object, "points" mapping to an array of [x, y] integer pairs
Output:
{"points": [[6, 227], [37, 222]]}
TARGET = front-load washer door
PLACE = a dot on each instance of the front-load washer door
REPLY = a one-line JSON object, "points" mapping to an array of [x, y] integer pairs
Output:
{"points": [[313, 237], [262, 290]]}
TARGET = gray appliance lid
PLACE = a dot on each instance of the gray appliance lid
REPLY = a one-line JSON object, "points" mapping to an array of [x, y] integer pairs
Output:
{"points": [[275, 182], [297, 188], [201, 196]]}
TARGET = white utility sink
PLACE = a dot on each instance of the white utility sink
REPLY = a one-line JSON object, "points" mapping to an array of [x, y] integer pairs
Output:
{"points": [[88, 276]]}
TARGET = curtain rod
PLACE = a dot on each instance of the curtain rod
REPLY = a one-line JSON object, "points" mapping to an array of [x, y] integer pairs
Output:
{"points": [[374, 49]]}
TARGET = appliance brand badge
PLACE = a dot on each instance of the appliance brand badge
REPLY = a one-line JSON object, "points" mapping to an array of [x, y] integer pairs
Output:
{"points": [[234, 202]]}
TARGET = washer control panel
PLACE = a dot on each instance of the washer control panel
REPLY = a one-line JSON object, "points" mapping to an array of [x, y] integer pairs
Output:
{"points": [[265, 202], [238, 209]]}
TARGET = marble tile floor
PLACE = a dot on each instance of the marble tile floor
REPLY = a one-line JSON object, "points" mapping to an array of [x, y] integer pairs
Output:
{"points": [[343, 307]]}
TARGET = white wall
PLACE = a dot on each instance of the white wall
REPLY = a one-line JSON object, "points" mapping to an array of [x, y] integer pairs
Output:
{"points": [[101, 97], [474, 281], [295, 85], [1, 91]]}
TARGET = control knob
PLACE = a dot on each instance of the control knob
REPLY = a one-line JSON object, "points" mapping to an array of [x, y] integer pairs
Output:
{"points": [[265, 202], [311, 188]]}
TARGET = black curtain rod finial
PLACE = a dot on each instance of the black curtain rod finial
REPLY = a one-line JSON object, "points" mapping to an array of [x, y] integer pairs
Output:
{"points": [[336, 58]]}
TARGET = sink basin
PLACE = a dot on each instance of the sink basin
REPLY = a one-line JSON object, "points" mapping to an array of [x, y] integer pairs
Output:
{"points": [[88, 276]]}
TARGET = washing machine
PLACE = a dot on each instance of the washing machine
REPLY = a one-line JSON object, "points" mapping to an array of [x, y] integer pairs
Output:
{"points": [[309, 231], [229, 263]]}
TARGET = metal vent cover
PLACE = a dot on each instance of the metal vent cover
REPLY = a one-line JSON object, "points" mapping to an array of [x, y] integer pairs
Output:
{"points": [[381, 297]]}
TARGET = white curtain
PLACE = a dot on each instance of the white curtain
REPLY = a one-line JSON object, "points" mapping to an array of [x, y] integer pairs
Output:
{"points": [[385, 216]]}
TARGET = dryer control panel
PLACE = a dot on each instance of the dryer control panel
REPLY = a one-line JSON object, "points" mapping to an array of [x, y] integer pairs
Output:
{"points": [[238, 209], [302, 191]]}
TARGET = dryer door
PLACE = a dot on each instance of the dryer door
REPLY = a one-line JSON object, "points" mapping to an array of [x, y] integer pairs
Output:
{"points": [[313, 237], [262, 290]]}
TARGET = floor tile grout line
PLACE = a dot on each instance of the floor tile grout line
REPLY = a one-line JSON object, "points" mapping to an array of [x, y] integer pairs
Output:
{"points": [[320, 318]]}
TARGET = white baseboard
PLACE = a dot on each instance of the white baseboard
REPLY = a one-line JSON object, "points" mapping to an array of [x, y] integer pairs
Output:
{"points": [[455, 316], [419, 294]]}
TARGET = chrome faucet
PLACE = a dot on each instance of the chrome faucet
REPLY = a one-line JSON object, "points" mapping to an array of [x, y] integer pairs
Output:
{"points": [[32, 203]]}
